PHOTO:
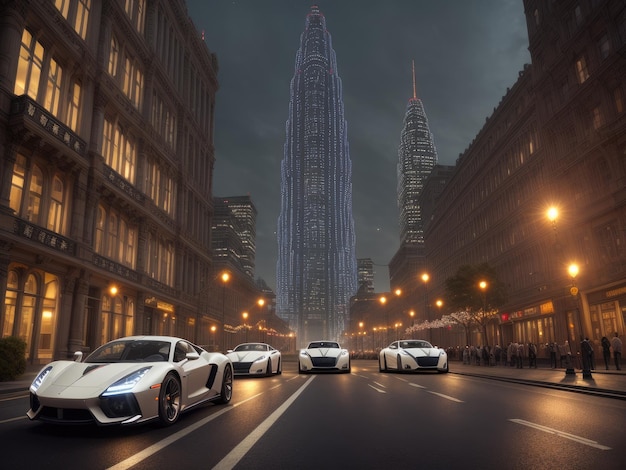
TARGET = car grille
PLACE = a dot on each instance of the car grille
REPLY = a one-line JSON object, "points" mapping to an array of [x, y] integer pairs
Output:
{"points": [[241, 367], [65, 415], [427, 361], [324, 361]]}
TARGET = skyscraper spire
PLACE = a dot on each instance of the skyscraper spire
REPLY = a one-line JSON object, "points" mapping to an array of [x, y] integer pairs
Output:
{"points": [[316, 271], [414, 89], [417, 157]]}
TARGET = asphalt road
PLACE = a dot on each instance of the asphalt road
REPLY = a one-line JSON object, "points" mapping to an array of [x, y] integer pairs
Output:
{"points": [[364, 420]]}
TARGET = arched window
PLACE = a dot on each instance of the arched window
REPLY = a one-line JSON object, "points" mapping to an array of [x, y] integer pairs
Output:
{"points": [[100, 224], [10, 305], [17, 183], [27, 311]]}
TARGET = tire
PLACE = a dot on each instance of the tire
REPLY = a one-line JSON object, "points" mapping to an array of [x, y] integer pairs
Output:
{"points": [[279, 369], [349, 369], [399, 363], [169, 399], [300, 371], [382, 364], [269, 371], [226, 393], [445, 371]]}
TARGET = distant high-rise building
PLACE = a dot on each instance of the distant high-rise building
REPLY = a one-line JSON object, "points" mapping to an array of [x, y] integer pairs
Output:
{"points": [[417, 157], [316, 270], [233, 233], [365, 275]]}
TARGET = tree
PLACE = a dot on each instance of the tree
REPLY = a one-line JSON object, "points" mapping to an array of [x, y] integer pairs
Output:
{"points": [[477, 291]]}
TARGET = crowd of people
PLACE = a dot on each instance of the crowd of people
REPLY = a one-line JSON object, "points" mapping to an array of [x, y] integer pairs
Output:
{"points": [[519, 354]]}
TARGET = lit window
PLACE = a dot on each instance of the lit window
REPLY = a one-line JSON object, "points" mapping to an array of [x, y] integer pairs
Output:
{"points": [[34, 195], [582, 73], [82, 17], [597, 117], [114, 53], [73, 106], [17, 183], [55, 212], [53, 90], [619, 100], [63, 6], [29, 66]]}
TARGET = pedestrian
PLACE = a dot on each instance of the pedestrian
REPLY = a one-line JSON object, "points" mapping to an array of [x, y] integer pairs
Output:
{"points": [[616, 344], [466, 355], [520, 356], [606, 351], [498, 354], [532, 355], [587, 354], [553, 348]]}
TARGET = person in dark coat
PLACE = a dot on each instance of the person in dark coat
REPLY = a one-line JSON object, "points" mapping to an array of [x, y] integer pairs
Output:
{"points": [[606, 351]]}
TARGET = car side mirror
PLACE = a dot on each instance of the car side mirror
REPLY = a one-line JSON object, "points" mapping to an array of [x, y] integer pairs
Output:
{"points": [[78, 356], [229, 351], [192, 356]]}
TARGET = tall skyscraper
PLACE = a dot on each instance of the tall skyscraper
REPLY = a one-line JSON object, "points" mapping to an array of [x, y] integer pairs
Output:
{"points": [[233, 232], [417, 157], [316, 269]]}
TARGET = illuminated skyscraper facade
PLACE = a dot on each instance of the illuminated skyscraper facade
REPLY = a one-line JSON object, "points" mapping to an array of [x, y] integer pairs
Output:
{"points": [[316, 269], [417, 157]]}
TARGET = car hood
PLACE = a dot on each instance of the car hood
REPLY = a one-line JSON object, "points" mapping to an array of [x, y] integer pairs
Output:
{"points": [[246, 356], [424, 352], [324, 352], [84, 380]]}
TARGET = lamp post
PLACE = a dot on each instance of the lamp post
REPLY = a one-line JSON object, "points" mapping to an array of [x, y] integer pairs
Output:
{"points": [[360, 333], [483, 285], [412, 315], [245, 324], [425, 278], [383, 302], [225, 278]]}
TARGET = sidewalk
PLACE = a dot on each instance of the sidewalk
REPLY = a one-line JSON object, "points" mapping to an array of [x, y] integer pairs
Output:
{"points": [[608, 383]]}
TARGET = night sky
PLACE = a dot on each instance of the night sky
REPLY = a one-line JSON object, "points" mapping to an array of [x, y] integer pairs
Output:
{"points": [[467, 53]]}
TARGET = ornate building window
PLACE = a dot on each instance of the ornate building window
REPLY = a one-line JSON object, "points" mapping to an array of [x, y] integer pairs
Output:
{"points": [[136, 11], [119, 150], [116, 237], [53, 89], [29, 66], [114, 56], [582, 72]]}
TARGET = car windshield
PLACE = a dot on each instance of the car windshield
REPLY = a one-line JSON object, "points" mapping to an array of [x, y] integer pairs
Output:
{"points": [[415, 344], [131, 351], [323, 344], [251, 347]]}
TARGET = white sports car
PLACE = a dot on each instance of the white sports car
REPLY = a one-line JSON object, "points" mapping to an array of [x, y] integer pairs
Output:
{"points": [[324, 356], [255, 359], [412, 354], [131, 380]]}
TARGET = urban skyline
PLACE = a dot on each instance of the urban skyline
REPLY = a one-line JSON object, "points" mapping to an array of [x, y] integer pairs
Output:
{"points": [[466, 56], [316, 268]]}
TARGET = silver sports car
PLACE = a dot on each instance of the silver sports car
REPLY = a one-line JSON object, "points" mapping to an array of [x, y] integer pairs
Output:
{"points": [[255, 359], [324, 356], [411, 355], [131, 380]]}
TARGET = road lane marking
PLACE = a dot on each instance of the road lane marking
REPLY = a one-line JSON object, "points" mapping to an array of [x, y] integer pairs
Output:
{"points": [[416, 385], [15, 397], [377, 389], [235, 455], [566, 435], [162, 444], [380, 385], [447, 397], [13, 419]]}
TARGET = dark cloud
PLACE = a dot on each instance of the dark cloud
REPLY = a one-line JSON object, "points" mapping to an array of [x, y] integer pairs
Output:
{"points": [[467, 53]]}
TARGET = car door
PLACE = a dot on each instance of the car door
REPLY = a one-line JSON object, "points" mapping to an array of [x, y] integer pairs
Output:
{"points": [[195, 372]]}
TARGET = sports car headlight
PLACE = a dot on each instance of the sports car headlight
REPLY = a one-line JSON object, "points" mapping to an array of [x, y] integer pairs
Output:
{"points": [[39, 379], [303, 353], [126, 384], [262, 358], [344, 352]]}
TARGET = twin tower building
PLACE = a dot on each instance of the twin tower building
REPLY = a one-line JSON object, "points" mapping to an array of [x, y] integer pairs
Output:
{"points": [[317, 269]]}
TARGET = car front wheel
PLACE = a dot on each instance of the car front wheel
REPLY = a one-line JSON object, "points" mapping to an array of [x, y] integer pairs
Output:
{"points": [[226, 393], [169, 400]]}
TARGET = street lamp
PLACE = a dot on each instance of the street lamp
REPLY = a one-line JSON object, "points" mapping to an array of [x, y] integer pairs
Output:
{"points": [[245, 325], [573, 271], [361, 332], [483, 285], [225, 278]]}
